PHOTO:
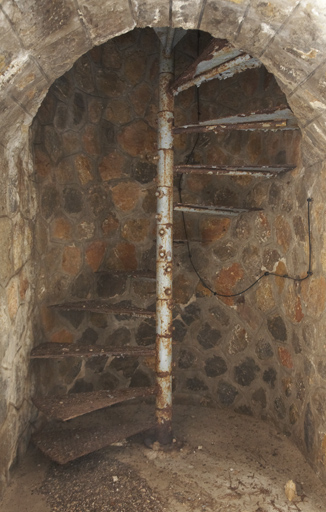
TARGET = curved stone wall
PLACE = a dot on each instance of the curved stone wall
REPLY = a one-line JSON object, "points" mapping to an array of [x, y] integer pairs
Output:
{"points": [[39, 42]]}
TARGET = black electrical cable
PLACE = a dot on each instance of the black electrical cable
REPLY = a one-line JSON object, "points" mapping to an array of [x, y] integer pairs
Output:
{"points": [[282, 276]]}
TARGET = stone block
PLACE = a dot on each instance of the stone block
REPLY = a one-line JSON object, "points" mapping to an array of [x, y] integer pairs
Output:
{"points": [[246, 372], [83, 166], [141, 94], [262, 228], [138, 139], [292, 305], [151, 12], [209, 337], [110, 225], [186, 359], [106, 20], [212, 229], [264, 349], [61, 228], [285, 357], [112, 166], [226, 393], [179, 330], [71, 260], [136, 230], [215, 366], [118, 112], [95, 253], [91, 140], [109, 83], [42, 162], [123, 257], [183, 289], [239, 340], [196, 384], [146, 333], [314, 295], [185, 14], [126, 195], [283, 233], [226, 280], [12, 297], [73, 201], [53, 144], [277, 328], [222, 19], [85, 230], [71, 142]]}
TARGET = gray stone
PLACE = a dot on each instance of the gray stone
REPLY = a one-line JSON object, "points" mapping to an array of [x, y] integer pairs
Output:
{"points": [[81, 386], [215, 366], [75, 318], [79, 108], [110, 285], [191, 313], [140, 379], [120, 337], [264, 350], [280, 408], [73, 201], [186, 359], [220, 315], [208, 337], [89, 337], [96, 364], [6, 263], [196, 384], [277, 328], [245, 373], [53, 144], [144, 172], [270, 376], [49, 201], [81, 286], [179, 330], [226, 393]]}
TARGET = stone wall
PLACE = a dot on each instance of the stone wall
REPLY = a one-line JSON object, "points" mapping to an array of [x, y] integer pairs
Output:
{"points": [[40, 41], [95, 154]]}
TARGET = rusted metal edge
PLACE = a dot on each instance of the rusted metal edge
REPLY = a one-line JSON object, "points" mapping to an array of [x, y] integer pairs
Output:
{"points": [[267, 171], [219, 60], [98, 306], [213, 210], [67, 407], [65, 445], [50, 350], [278, 118]]}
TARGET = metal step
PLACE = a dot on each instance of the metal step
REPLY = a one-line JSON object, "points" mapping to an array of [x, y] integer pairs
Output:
{"points": [[135, 274], [219, 60], [102, 306], [273, 119], [67, 407], [259, 171], [52, 350], [65, 445], [213, 210]]}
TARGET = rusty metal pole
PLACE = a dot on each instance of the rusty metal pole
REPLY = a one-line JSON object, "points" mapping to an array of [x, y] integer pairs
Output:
{"points": [[164, 249]]}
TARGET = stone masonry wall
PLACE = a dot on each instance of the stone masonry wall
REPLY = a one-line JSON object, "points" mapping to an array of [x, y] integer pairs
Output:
{"points": [[95, 164], [40, 41]]}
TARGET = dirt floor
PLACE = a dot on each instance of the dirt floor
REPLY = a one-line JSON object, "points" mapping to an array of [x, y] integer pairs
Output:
{"points": [[220, 462]]}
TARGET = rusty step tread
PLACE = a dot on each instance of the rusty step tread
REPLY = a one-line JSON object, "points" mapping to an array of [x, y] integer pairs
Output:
{"points": [[65, 445], [136, 274], [272, 119], [212, 210], [218, 60], [102, 306], [267, 171], [51, 350], [67, 407]]}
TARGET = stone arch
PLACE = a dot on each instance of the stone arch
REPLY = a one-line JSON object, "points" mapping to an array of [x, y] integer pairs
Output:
{"points": [[40, 41]]}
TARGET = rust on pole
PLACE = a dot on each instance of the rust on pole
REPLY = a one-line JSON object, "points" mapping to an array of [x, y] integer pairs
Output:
{"points": [[164, 249]]}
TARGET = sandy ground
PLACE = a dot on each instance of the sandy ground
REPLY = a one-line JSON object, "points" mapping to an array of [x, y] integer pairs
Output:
{"points": [[220, 462]]}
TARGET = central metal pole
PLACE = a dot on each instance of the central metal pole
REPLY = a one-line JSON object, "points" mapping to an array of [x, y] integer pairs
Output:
{"points": [[164, 250]]}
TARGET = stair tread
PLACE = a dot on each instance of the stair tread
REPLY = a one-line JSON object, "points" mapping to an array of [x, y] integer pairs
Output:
{"points": [[51, 350], [102, 306], [67, 407], [231, 170], [276, 118], [218, 60], [213, 210], [65, 445]]}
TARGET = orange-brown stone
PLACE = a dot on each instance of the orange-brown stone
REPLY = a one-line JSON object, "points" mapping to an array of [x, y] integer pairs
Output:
{"points": [[63, 336], [213, 228], [263, 229], [110, 225], [136, 230], [123, 257], [61, 229], [91, 140], [138, 139], [202, 291], [125, 195], [283, 233], [135, 65], [83, 167], [197, 183], [140, 97], [118, 113], [95, 253], [12, 298], [111, 166], [264, 295], [182, 289], [285, 357], [314, 294], [226, 281], [292, 304], [71, 260], [279, 281]]}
